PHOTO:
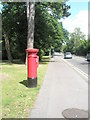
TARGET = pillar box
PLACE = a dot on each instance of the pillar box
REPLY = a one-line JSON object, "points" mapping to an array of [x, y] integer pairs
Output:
{"points": [[33, 61]]}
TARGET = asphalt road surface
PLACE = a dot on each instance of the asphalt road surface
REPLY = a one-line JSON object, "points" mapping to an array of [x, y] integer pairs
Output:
{"points": [[79, 62], [63, 88]]}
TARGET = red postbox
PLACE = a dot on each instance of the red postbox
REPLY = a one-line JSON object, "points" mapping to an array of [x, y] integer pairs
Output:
{"points": [[33, 61]]}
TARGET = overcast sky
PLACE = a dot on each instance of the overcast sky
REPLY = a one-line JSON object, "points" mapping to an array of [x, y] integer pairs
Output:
{"points": [[79, 16]]}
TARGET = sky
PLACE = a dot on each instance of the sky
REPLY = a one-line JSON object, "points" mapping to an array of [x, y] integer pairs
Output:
{"points": [[78, 17]]}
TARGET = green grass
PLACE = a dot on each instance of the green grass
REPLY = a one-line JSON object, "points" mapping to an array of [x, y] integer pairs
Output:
{"points": [[17, 98]]}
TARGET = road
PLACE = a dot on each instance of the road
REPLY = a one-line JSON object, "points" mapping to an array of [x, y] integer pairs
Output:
{"points": [[63, 88], [78, 62]]}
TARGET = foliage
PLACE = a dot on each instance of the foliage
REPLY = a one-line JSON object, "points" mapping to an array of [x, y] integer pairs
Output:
{"points": [[15, 23], [77, 44], [48, 30]]}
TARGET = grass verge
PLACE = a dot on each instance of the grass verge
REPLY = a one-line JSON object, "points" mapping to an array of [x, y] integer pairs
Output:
{"points": [[17, 98]]}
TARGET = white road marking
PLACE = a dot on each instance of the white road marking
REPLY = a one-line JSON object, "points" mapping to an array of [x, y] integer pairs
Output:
{"points": [[77, 69]]}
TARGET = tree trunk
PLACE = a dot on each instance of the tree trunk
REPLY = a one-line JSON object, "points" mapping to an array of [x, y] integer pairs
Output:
{"points": [[7, 46], [30, 17], [28, 5]]}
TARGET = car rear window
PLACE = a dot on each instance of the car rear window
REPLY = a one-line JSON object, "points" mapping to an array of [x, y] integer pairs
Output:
{"points": [[68, 53]]}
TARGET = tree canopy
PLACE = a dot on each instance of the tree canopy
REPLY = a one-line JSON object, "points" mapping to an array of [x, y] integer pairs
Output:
{"points": [[49, 32], [77, 44]]}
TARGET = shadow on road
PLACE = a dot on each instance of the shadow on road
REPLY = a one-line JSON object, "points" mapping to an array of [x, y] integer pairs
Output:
{"points": [[44, 62], [85, 63]]}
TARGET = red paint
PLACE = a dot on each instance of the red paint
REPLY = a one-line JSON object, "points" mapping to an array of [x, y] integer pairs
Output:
{"points": [[33, 61], [37, 61]]}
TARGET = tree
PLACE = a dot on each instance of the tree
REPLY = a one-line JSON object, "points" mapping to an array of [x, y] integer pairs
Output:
{"points": [[77, 44], [15, 23], [30, 18], [48, 30], [6, 31], [7, 46], [51, 34], [56, 12]]}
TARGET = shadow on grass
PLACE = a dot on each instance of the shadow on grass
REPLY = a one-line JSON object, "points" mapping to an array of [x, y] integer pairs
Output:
{"points": [[58, 55], [45, 62], [16, 61], [24, 82], [6, 63]]}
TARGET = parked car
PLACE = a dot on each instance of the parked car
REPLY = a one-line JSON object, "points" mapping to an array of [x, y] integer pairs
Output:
{"points": [[67, 55], [88, 56]]}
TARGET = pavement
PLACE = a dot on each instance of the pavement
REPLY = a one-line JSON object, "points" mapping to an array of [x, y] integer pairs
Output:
{"points": [[62, 88]]}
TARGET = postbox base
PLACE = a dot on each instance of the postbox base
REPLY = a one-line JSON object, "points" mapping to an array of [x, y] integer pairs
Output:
{"points": [[32, 82]]}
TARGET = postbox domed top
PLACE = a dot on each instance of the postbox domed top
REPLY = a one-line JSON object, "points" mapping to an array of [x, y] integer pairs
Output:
{"points": [[32, 50]]}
